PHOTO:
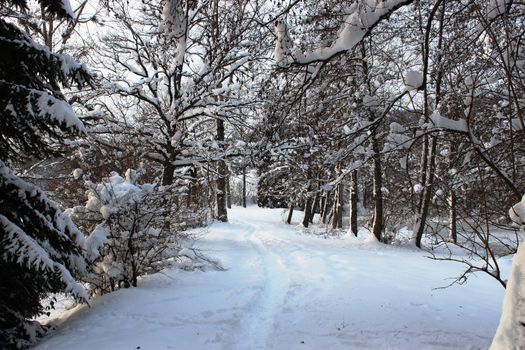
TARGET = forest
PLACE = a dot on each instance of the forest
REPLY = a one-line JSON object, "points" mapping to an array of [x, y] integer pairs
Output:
{"points": [[129, 129]]}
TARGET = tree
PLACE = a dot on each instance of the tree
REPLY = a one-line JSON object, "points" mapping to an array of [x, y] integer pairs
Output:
{"points": [[41, 250], [176, 70]]}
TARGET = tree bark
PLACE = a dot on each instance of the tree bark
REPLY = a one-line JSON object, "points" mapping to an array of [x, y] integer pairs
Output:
{"points": [[452, 217], [377, 226], [337, 209], [326, 208], [424, 200], [228, 192], [353, 203], [366, 195], [211, 191], [192, 188], [167, 174], [340, 204], [290, 213], [322, 202], [244, 187], [315, 205], [307, 212], [429, 147], [222, 170]]}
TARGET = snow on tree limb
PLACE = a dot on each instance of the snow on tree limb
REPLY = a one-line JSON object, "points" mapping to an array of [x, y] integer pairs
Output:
{"points": [[59, 111], [60, 8], [44, 216], [449, 124], [283, 43], [66, 7], [357, 25], [175, 26], [413, 80], [30, 253], [497, 7]]}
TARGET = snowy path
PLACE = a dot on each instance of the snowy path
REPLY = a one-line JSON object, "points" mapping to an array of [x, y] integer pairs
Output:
{"points": [[286, 290], [256, 325]]}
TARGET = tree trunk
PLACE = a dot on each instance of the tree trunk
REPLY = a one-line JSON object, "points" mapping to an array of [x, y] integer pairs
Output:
{"points": [[228, 192], [377, 226], [322, 202], [366, 195], [307, 212], [337, 209], [192, 188], [424, 200], [340, 205], [377, 186], [167, 174], [244, 187], [211, 191], [326, 208], [452, 214], [429, 147], [222, 170], [452, 217], [315, 206], [290, 213], [222, 213], [353, 203]]}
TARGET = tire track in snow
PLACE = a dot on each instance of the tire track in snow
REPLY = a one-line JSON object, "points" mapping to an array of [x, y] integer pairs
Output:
{"points": [[256, 325]]}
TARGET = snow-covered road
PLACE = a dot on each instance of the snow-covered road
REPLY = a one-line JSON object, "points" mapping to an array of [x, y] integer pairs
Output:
{"points": [[286, 290]]}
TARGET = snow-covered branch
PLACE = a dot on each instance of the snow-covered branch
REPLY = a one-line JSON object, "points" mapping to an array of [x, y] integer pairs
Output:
{"points": [[360, 22]]}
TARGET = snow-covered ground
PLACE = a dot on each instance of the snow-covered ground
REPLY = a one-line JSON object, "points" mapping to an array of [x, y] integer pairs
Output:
{"points": [[284, 290]]}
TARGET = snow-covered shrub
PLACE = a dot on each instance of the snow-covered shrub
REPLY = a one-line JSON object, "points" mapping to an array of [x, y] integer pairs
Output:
{"points": [[133, 232]]}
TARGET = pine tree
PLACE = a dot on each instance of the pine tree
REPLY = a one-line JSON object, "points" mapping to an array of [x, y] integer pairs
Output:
{"points": [[41, 249]]}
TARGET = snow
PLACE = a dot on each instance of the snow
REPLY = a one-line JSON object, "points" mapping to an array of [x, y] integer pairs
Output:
{"points": [[285, 290], [413, 80], [445, 123], [283, 43], [517, 124], [96, 240], [93, 203], [370, 101], [357, 24], [30, 252], [396, 128], [59, 111], [67, 8], [517, 212], [175, 25], [77, 173], [58, 223], [511, 331], [496, 7]]}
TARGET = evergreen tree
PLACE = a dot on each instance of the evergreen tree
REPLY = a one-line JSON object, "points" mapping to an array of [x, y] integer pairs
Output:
{"points": [[41, 250]]}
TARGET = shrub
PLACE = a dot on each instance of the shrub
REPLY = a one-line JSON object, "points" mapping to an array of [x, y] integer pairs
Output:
{"points": [[133, 228]]}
